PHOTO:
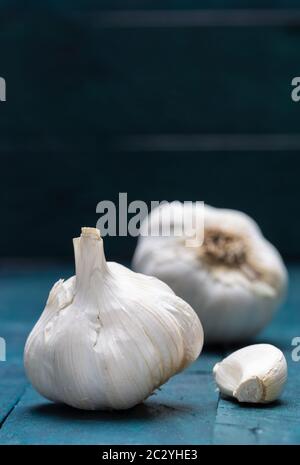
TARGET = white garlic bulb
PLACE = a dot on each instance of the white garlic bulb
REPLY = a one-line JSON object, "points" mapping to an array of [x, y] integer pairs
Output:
{"points": [[235, 280], [109, 337], [255, 374]]}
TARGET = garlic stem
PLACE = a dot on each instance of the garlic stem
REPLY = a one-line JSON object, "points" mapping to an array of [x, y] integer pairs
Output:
{"points": [[90, 264]]}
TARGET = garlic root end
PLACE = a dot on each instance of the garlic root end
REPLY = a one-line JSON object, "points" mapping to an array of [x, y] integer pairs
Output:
{"points": [[250, 390]]}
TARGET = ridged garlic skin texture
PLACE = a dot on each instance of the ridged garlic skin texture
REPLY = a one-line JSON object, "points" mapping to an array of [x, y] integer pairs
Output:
{"points": [[255, 374], [109, 337], [235, 280]]}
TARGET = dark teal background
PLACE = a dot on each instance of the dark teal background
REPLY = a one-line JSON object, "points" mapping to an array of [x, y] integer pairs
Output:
{"points": [[82, 94]]}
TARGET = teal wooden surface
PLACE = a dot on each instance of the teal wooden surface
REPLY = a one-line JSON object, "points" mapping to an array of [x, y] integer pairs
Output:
{"points": [[185, 410]]}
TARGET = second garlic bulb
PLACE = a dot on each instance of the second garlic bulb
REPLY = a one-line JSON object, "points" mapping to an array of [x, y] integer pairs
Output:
{"points": [[109, 337], [235, 280]]}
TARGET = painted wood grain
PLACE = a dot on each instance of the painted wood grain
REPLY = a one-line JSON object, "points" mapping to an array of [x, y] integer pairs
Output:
{"points": [[182, 412], [277, 423], [187, 410], [12, 387]]}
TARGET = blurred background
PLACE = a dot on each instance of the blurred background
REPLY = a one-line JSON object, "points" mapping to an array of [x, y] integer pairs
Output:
{"points": [[163, 100]]}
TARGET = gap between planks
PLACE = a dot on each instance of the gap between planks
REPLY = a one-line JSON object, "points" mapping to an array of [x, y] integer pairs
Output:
{"points": [[10, 411]]}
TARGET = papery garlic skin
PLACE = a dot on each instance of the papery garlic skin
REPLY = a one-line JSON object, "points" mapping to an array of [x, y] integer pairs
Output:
{"points": [[235, 280], [109, 337], [255, 374]]}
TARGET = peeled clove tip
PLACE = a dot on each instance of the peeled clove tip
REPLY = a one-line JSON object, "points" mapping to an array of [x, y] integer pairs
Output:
{"points": [[90, 232]]}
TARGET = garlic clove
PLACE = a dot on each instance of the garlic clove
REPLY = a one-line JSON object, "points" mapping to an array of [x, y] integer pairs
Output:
{"points": [[108, 337], [256, 374], [235, 280]]}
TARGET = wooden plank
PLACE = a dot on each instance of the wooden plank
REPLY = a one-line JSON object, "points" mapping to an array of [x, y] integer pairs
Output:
{"points": [[12, 387], [14, 334], [185, 410], [182, 412], [24, 292], [165, 415], [277, 423], [205, 363], [176, 411]]}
